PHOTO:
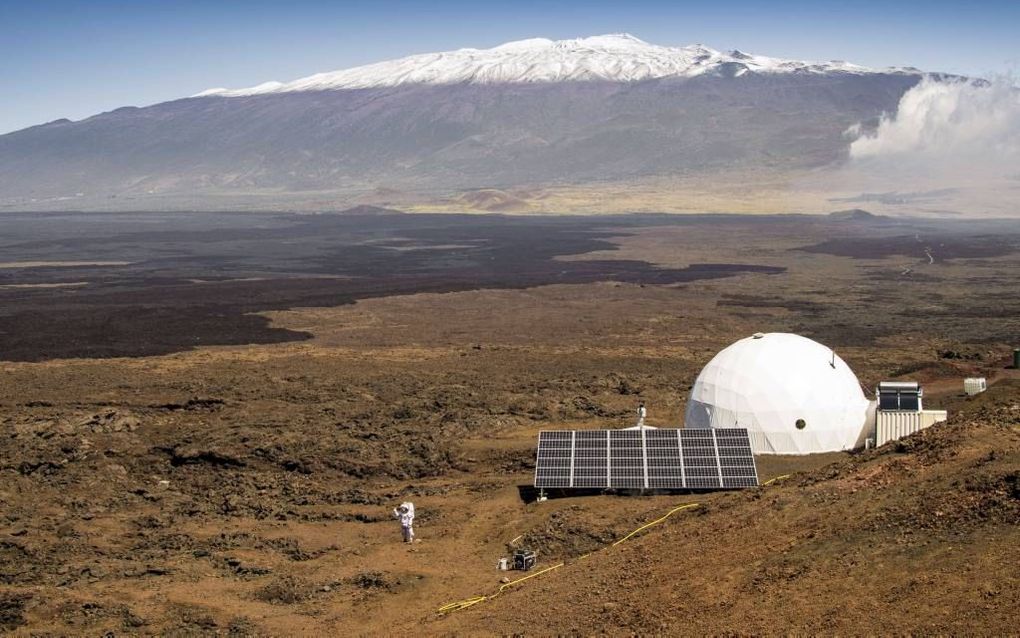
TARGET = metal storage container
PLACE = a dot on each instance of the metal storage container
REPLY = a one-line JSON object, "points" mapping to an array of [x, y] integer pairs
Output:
{"points": [[892, 425]]}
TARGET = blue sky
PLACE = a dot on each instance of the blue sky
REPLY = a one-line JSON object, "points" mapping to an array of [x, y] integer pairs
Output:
{"points": [[78, 58]]}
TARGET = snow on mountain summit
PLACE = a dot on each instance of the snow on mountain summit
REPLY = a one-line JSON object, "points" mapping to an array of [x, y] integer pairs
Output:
{"points": [[615, 57]]}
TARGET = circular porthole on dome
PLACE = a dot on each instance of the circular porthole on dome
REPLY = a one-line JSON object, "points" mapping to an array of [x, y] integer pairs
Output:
{"points": [[801, 424]]}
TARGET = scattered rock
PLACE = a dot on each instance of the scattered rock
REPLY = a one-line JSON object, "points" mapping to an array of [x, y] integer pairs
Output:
{"points": [[12, 608], [375, 580], [286, 590], [205, 405], [133, 621], [189, 455]]}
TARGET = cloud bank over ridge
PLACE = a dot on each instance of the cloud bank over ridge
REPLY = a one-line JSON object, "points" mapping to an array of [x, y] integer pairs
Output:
{"points": [[950, 147], [949, 125]]}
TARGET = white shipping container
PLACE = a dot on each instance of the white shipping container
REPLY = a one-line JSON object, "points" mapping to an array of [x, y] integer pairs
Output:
{"points": [[974, 385], [891, 425]]}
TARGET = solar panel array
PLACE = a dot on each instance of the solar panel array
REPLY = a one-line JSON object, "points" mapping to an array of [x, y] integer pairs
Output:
{"points": [[718, 458]]}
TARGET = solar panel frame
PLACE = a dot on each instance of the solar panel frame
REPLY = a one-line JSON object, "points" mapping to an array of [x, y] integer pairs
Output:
{"points": [[591, 459], [554, 465], [626, 459], [646, 459], [737, 468], [664, 459]]}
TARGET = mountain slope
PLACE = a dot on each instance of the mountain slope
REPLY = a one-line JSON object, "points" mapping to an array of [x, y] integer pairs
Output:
{"points": [[587, 114]]}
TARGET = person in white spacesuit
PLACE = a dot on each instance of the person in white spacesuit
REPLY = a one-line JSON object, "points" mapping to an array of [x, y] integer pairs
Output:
{"points": [[405, 513], [641, 414]]}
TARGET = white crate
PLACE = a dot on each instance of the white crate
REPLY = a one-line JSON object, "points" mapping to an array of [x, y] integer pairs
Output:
{"points": [[974, 385]]}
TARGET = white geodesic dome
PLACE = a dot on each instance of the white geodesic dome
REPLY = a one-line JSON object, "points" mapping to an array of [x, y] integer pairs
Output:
{"points": [[794, 396]]}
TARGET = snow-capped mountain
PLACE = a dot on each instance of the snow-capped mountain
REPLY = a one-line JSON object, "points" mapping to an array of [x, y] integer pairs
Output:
{"points": [[525, 114], [610, 58]]}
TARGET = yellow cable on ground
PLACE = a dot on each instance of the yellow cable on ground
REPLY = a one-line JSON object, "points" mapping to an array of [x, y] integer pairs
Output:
{"points": [[461, 604], [468, 602], [778, 478], [464, 604], [655, 522], [539, 573]]}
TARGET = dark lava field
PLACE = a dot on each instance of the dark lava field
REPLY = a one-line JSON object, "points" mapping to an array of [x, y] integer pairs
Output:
{"points": [[206, 420]]}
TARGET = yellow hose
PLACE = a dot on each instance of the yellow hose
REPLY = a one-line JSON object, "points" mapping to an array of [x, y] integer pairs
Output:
{"points": [[778, 478], [468, 602], [656, 521], [519, 580], [461, 604]]}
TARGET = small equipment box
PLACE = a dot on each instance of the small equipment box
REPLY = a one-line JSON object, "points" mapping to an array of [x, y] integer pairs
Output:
{"points": [[974, 385], [524, 559]]}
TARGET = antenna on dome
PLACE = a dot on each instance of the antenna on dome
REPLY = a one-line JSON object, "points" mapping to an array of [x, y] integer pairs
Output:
{"points": [[833, 361]]}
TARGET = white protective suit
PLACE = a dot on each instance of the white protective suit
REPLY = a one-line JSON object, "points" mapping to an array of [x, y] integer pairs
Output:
{"points": [[405, 513]]}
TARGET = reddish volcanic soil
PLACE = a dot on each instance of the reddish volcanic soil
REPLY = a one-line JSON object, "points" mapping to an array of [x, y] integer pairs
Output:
{"points": [[241, 483]]}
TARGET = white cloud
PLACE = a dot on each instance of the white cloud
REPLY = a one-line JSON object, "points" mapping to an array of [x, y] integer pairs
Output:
{"points": [[947, 124], [951, 147]]}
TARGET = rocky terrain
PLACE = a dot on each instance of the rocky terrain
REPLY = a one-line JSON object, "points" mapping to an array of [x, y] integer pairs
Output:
{"points": [[917, 537], [247, 489]]}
